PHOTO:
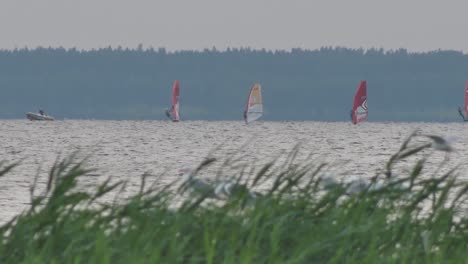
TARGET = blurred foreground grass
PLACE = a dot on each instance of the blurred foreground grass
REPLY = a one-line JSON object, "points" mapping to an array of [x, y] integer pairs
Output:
{"points": [[302, 217]]}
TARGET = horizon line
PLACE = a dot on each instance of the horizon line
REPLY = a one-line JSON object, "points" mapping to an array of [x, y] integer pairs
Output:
{"points": [[151, 48]]}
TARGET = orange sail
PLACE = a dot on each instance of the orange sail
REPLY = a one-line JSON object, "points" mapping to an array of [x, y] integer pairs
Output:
{"points": [[254, 107]]}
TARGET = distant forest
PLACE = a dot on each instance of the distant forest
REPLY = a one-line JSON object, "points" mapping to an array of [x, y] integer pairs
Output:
{"points": [[297, 85]]}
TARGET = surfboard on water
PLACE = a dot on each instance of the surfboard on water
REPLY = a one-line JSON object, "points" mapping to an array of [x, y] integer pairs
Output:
{"points": [[359, 112], [464, 111], [175, 101], [254, 107]]}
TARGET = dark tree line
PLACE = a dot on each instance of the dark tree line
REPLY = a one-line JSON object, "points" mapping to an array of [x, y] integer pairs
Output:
{"points": [[297, 85]]}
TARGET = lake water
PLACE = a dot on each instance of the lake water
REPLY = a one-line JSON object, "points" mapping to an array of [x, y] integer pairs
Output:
{"points": [[124, 150]]}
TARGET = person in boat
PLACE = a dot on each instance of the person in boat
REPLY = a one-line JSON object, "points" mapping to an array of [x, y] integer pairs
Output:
{"points": [[41, 112], [460, 111]]}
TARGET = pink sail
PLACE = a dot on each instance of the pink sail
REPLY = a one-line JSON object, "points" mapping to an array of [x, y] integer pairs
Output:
{"points": [[359, 111], [175, 101], [466, 99]]}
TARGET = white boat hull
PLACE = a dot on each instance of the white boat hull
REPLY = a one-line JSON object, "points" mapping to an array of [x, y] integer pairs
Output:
{"points": [[38, 117]]}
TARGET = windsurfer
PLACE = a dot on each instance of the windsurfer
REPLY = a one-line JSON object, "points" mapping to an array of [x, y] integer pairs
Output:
{"points": [[254, 107], [168, 113], [461, 114], [351, 114]]}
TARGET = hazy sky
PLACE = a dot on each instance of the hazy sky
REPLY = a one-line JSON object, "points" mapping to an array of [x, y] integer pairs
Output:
{"points": [[418, 25]]}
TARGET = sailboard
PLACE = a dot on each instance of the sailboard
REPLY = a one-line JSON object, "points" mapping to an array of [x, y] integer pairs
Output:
{"points": [[254, 107], [359, 112], [464, 112], [175, 102]]}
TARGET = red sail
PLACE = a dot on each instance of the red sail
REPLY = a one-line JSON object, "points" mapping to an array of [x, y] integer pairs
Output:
{"points": [[466, 99], [359, 111], [175, 101]]}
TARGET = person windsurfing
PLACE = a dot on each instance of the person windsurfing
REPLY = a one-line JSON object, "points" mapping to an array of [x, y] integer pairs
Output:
{"points": [[168, 113], [460, 111]]}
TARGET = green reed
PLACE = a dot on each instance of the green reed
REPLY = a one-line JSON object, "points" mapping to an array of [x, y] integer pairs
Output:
{"points": [[412, 218]]}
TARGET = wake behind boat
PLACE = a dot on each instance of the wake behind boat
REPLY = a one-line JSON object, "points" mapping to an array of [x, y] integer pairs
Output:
{"points": [[40, 116], [359, 111], [254, 107]]}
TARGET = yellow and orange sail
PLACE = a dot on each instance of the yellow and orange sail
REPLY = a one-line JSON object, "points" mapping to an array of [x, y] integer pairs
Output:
{"points": [[254, 107]]}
